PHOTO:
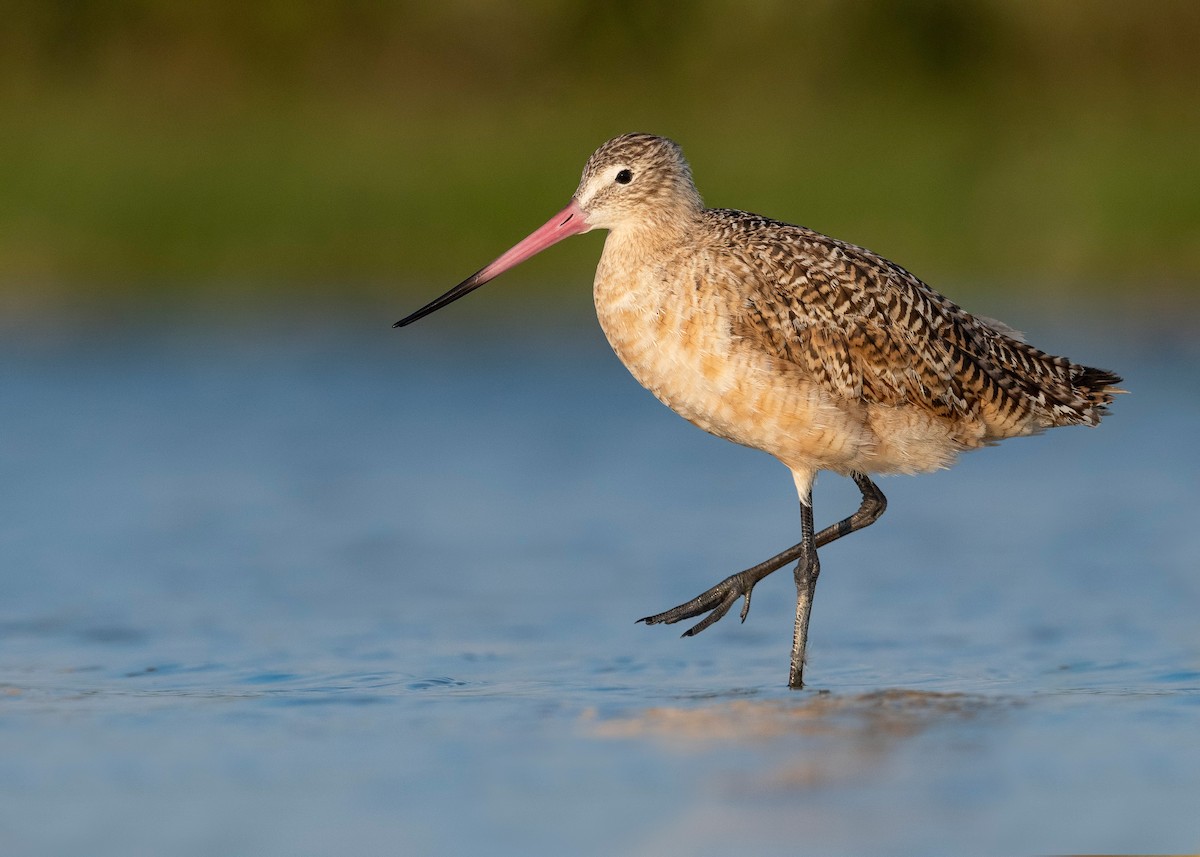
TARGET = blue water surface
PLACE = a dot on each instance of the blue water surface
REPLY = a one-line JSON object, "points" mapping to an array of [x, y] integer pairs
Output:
{"points": [[311, 586]]}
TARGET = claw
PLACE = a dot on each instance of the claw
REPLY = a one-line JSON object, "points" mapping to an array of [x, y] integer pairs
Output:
{"points": [[719, 599], [719, 611]]}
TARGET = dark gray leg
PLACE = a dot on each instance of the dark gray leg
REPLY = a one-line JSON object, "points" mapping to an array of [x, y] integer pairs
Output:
{"points": [[720, 598], [807, 571]]}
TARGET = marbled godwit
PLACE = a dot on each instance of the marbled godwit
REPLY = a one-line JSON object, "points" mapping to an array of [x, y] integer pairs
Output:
{"points": [[777, 337]]}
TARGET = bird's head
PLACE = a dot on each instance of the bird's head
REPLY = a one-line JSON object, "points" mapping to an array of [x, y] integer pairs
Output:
{"points": [[635, 181]]}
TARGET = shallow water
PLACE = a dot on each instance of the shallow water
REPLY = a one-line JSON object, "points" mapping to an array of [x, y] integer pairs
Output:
{"points": [[325, 588]]}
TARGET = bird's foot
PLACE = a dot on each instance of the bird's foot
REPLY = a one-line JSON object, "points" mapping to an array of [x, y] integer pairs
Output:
{"points": [[719, 600]]}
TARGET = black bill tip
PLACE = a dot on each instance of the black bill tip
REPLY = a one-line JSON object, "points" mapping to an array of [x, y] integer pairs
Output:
{"points": [[465, 287]]}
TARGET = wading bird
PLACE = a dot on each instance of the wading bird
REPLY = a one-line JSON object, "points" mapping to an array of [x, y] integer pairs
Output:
{"points": [[819, 352]]}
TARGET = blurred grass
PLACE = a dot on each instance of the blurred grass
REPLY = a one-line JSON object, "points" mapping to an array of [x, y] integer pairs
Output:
{"points": [[337, 148]]}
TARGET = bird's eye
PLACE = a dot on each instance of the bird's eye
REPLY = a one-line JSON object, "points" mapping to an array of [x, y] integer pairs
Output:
{"points": [[624, 177]]}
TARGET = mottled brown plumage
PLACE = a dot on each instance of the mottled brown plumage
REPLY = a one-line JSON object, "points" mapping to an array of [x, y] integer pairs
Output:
{"points": [[819, 352]]}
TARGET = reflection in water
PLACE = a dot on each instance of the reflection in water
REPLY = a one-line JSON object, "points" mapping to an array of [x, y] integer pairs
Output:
{"points": [[840, 736]]}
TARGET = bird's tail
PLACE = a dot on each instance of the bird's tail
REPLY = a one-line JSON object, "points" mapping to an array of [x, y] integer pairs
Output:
{"points": [[1096, 387]]}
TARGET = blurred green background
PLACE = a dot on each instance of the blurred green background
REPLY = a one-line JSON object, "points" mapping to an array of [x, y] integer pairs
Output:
{"points": [[362, 149]]}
